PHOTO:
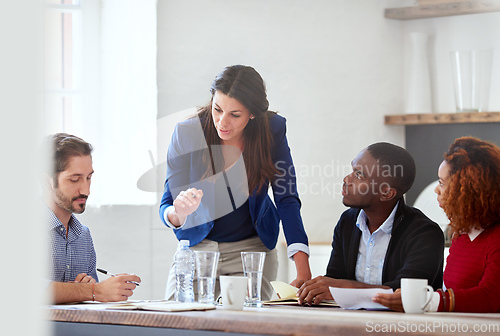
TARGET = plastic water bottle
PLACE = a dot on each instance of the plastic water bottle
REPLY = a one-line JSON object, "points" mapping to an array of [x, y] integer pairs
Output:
{"points": [[184, 260]]}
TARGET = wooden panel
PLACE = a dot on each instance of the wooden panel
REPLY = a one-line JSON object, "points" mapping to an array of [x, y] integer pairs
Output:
{"points": [[443, 9], [442, 118]]}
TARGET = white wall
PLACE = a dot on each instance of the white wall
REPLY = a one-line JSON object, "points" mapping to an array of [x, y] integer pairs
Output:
{"points": [[332, 68]]}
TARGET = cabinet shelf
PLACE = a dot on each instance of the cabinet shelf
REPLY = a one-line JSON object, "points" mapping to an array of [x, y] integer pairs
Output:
{"points": [[440, 9], [442, 118]]}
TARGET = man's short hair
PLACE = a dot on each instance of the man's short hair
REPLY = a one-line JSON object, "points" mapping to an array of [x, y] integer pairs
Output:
{"points": [[396, 163], [62, 147]]}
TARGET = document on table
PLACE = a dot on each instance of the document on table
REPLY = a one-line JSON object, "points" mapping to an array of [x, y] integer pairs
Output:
{"points": [[358, 298], [161, 305]]}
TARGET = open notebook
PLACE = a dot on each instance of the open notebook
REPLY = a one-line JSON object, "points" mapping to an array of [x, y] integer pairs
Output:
{"points": [[288, 295]]}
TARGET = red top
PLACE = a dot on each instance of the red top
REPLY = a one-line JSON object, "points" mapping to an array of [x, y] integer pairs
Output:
{"points": [[473, 272]]}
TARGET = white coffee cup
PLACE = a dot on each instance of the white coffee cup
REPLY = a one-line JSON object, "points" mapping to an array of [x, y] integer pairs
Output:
{"points": [[233, 291], [415, 295]]}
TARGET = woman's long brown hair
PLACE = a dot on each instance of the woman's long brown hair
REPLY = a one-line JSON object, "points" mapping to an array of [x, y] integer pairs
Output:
{"points": [[245, 85], [472, 198]]}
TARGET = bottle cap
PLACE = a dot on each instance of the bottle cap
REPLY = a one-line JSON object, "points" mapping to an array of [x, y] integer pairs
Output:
{"points": [[184, 242]]}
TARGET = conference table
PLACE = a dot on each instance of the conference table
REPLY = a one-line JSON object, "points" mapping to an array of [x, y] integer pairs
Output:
{"points": [[100, 319]]}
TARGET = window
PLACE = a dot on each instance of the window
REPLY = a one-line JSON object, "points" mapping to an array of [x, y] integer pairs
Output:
{"points": [[100, 85], [62, 62]]}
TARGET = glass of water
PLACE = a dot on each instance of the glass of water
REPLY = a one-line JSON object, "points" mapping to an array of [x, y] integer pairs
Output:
{"points": [[253, 265], [206, 270]]}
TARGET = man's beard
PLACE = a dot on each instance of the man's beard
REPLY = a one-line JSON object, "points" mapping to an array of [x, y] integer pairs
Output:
{"points": [[67, 204]]}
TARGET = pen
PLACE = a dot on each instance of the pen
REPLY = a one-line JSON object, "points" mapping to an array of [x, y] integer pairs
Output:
{"points": [[103, 271]]}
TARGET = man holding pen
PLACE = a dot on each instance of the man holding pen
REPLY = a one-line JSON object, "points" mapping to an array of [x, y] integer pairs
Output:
{"points": [[73, 260]]}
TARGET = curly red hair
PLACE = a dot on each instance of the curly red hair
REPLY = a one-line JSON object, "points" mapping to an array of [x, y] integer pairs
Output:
{"points": [[472, 198]]}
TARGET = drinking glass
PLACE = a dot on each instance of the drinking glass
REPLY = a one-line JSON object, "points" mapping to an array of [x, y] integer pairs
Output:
{"points": [[206, 270], [253, 265]]}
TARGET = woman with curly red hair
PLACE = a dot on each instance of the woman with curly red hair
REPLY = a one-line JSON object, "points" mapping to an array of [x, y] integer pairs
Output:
{"points": [[469, 193]]}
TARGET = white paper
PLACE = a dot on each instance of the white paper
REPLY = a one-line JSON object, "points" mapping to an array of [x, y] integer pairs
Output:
{"points": [[162, 305], [358, 298], [284, 290]]}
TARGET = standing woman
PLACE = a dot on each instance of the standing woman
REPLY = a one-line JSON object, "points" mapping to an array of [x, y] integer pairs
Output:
{"points": [[469, 193], [220, 164]]}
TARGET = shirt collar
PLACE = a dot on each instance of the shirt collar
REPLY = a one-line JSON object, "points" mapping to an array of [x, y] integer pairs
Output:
{"points": [[474, 233], [53, 222], [386, 225]]}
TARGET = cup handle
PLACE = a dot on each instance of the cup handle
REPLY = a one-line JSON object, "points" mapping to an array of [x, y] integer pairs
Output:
{"points": [[228, 295], [430, 292]]}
